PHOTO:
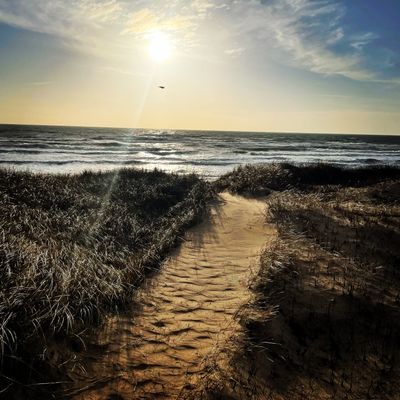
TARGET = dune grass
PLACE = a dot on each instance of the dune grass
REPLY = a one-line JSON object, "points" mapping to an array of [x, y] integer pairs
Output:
{"points": [[263, 179], [337, 293], [324, 322], [73, 247]]}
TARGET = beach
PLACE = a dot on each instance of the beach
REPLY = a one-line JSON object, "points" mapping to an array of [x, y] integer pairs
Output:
{"points": [[199, 200], [147, 283]]}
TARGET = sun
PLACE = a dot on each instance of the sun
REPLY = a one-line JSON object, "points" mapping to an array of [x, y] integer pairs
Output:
{"points": [[159, 46]]}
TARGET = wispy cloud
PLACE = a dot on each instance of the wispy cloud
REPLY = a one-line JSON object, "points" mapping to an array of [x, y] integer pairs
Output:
{"points": [[180, 18], [359, 41], [307, 31], [58, 17], [92, 24], [147, 20], [306, 34]]}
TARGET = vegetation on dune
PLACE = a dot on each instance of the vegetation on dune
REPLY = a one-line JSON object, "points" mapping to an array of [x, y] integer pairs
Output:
{"points": [[325, 319], [360, 223], [75, 246], [263, 179]]}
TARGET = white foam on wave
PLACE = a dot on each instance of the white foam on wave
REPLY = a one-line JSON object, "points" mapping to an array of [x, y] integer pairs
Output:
{"points": [[64, 149]]}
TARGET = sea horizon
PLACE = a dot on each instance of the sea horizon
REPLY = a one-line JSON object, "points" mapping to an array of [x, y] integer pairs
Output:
{"points": [[71, 149], [201, 130]]}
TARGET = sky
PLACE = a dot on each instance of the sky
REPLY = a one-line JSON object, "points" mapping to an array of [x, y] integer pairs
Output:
{"points": [[244, 65]]}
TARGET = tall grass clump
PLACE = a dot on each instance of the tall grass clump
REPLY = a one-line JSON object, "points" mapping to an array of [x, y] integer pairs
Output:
{"points": [[73, 247], [262, 179]]}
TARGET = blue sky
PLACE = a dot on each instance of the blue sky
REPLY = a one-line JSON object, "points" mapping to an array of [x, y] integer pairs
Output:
{"points": [[274, 65]]}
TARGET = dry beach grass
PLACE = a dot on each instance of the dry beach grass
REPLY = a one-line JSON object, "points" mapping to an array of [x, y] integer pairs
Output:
{"points": [[73, 247], [324, 324], [323, 321], [264, 179]]}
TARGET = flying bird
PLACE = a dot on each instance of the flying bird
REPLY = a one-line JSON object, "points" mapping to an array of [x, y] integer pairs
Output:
{"points": [[162, 87]]}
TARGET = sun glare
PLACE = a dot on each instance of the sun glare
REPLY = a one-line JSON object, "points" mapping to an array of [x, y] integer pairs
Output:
{"points": [[159, 46]]}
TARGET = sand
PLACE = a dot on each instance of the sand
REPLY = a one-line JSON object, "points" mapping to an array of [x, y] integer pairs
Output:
{"points": [[187, 310]]}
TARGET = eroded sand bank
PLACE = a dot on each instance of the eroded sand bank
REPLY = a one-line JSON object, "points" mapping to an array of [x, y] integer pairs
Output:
{"points": [[187, 310]]}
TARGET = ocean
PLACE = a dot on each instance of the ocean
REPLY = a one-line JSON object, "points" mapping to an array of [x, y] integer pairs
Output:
{"points": [[209, 153]]}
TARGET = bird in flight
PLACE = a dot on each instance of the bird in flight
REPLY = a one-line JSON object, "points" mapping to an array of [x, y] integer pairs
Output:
{"points": [[161, 87]]}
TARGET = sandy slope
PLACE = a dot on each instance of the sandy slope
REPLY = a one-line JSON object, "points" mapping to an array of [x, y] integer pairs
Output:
{"points": [[187, 311]]}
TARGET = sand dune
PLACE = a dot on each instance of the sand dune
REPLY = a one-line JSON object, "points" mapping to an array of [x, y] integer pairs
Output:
{"points": [[187, 310]]}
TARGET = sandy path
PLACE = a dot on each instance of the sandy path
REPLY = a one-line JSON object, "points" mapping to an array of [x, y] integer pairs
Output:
{"points": [[188, 310]]}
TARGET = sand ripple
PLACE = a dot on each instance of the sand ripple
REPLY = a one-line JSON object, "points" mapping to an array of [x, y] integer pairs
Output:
{"points": [[187, 310]]}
